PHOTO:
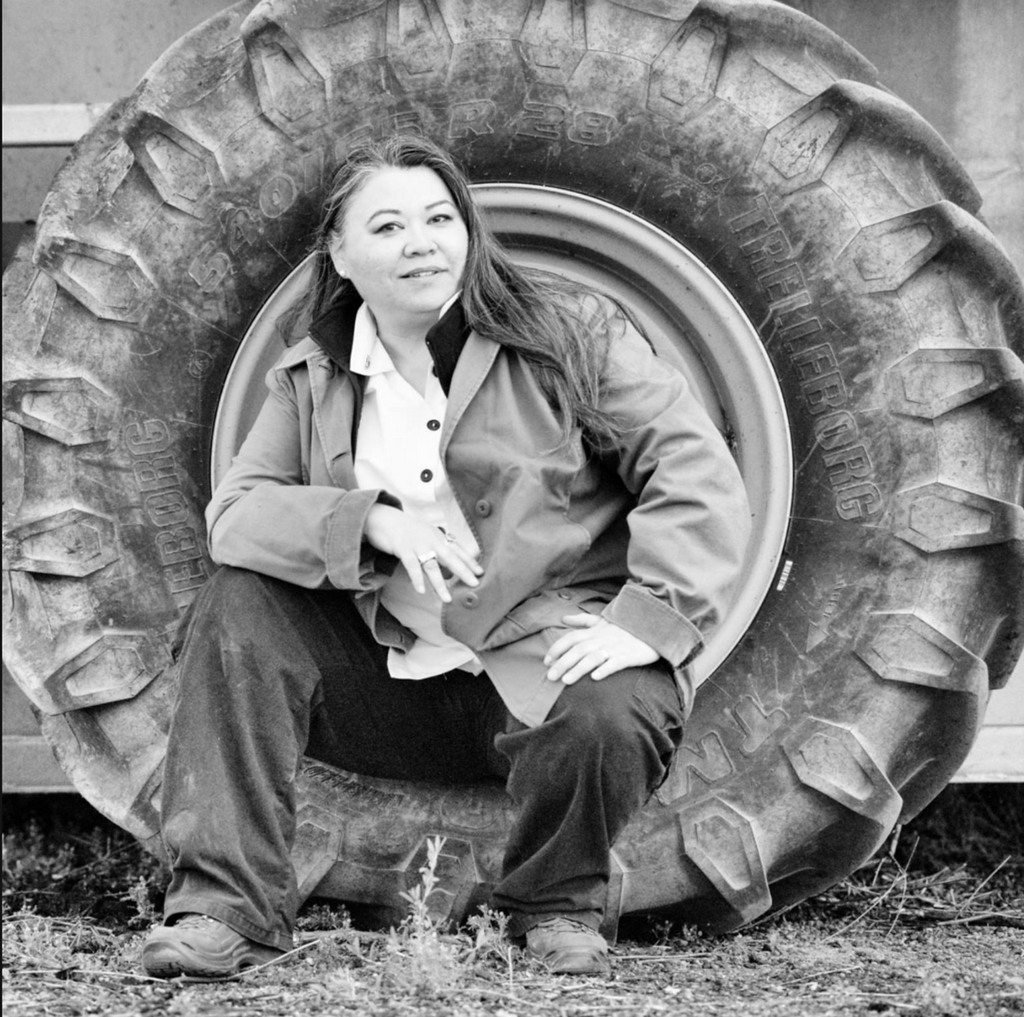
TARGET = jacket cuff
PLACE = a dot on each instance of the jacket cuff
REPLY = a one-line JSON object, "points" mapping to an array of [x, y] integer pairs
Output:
{"points": [[350, 561], [649, 618]]}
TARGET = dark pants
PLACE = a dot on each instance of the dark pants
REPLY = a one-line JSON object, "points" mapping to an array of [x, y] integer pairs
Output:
{"points": [[270, 671]]}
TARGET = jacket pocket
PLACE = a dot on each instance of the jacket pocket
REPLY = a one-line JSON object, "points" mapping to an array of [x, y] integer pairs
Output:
{"points": [[545, 610]]}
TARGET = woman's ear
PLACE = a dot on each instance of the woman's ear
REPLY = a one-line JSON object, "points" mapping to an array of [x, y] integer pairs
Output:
{"points": [[338, 261]]}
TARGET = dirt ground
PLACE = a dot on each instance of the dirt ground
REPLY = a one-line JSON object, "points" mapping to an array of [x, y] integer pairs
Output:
{"points": [[791, 967], [933, 927]]}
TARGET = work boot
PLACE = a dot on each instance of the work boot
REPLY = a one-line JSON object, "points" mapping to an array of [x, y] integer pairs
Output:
{"points": [[201, 947], [568, 947]]}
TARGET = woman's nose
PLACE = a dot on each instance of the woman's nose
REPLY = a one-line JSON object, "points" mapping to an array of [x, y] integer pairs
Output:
{"points": [[418, 241]]}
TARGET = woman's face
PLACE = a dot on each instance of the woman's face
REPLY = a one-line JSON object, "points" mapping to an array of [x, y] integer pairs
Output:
{"points": [[403, 243]]}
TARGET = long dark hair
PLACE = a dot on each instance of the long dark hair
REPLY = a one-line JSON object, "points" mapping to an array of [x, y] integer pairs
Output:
{"points": [[562, 333]]}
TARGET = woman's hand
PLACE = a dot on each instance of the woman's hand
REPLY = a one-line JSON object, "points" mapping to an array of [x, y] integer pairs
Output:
{"points": [[596, 647], [422, 549]]}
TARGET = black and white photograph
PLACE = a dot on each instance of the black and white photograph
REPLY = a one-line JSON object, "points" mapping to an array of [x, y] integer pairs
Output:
{"points": [[513, 507]]}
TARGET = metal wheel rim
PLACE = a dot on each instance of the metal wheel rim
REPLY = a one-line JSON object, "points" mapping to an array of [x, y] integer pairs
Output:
{"points": [[690, 316]]}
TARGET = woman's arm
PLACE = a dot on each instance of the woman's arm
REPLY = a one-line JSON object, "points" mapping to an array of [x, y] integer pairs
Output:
{"points": [[265, 517], [689, 529]]}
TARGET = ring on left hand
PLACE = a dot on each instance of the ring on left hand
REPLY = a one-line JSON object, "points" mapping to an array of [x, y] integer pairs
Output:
{"points": [[427, 556]]}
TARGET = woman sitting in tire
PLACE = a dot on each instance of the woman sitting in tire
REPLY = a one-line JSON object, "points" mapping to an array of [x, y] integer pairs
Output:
{"points": [[479, 529]]}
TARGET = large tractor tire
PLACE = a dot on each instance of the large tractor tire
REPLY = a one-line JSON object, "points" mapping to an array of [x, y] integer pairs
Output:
{"points": [[801, 243]]}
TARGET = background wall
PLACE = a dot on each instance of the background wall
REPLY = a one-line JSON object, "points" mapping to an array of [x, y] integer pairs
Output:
{"points": [[74, 51], [958, 62]]}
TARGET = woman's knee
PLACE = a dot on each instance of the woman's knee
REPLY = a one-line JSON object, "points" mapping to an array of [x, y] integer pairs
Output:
{"points": [[230, 586], [236, 600], [234, 611], [634, 707]]}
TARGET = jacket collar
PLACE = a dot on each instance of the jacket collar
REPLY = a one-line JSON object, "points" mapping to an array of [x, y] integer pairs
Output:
{"points": [[333, 332]]}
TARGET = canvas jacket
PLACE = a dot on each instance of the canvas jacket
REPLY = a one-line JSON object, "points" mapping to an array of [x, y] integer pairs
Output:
{"points": [[651, 535]]}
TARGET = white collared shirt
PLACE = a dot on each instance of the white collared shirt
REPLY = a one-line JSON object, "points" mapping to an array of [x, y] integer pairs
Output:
{"points": [[399, 450]]}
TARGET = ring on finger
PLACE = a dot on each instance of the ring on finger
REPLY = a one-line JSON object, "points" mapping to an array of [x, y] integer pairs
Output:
{"points": [[427, 556]]}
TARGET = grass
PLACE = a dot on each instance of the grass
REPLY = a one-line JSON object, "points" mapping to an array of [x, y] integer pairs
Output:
{"points": [[930, 926]]}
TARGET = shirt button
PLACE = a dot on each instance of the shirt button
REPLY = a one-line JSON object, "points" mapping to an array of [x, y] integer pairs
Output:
{"points": [[427, 476], [483, 508], [433, 425], [470, 600]]}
